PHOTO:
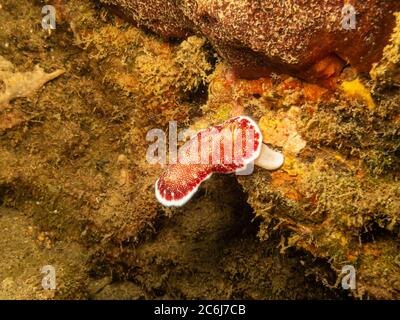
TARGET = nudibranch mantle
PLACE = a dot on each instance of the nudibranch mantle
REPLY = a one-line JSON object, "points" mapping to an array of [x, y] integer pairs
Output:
{"points": [[225, 148]]}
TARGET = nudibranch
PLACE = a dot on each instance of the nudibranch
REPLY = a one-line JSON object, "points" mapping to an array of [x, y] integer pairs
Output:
{"points": [[232, 146]]}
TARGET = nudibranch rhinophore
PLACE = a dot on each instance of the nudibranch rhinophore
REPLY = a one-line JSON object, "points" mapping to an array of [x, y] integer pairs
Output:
{"points": [[226, 148]]}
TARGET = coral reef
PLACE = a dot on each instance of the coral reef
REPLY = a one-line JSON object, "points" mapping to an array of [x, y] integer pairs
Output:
{"points": [[76, 190], [77, 193]]}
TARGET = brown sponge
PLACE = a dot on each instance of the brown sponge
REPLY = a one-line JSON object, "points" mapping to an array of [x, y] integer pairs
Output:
{"points": [[304, 38]]}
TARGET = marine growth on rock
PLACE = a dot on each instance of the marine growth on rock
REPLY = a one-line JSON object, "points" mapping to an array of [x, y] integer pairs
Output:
{"points": [[311, 39]]}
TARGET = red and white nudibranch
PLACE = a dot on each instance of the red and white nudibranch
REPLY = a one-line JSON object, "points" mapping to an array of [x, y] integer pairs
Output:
{"points": [[225, 148]]}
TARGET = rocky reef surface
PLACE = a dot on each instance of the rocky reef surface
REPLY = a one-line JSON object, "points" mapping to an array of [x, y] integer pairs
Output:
{"points": [[77, 192], [309, 39]]}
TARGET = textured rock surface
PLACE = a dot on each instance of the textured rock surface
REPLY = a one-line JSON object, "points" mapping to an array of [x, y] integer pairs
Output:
{"points": [[256, 38], [82, 194], [76, 192]]}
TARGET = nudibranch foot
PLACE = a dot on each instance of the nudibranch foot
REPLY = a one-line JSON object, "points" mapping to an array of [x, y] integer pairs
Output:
{"points": [[270, 159]]}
